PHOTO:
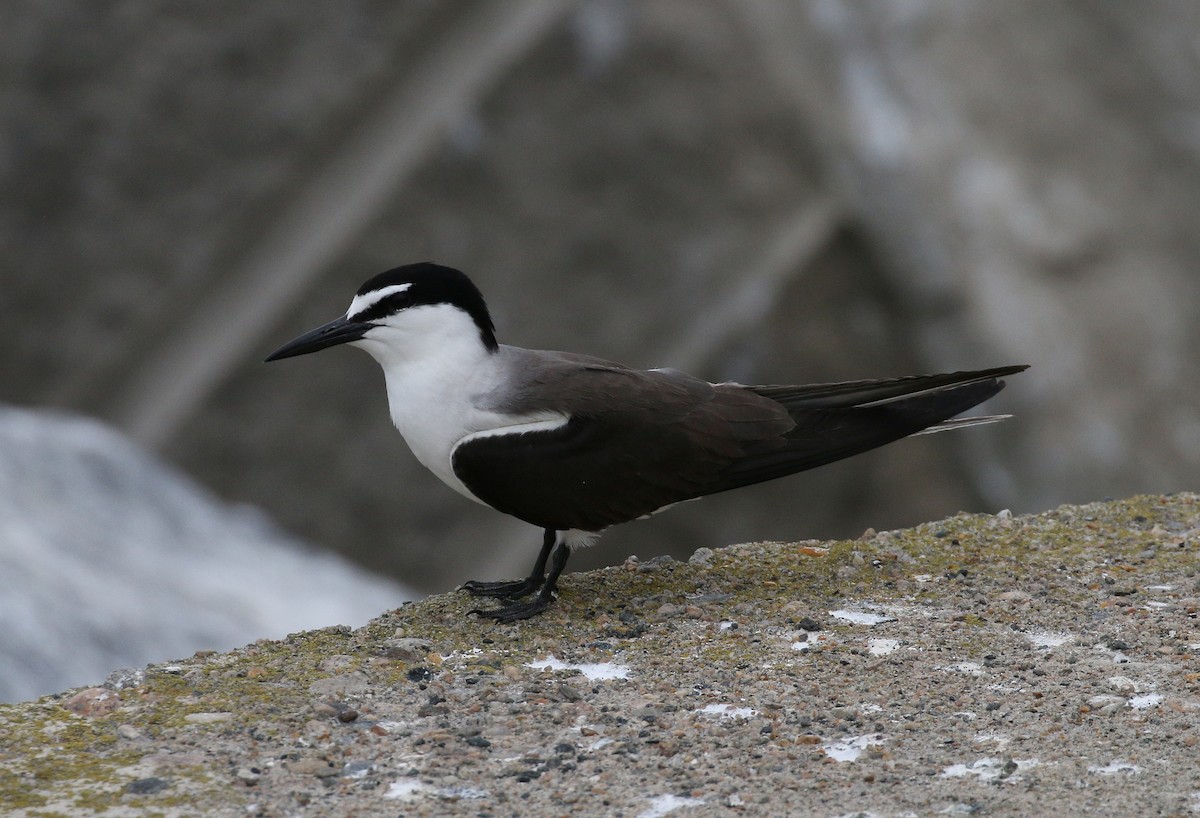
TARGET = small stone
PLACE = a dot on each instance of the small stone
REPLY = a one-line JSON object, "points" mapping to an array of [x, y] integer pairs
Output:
{"points": [[512, 672], [335, 663], [146, 786], [702, 557], [129, 732], [656, 564], [125, 677], [408, 649], [347, 715], [249, 775], [357, 769], [94, 701], [313, 766], [1123, 685], [419, 674]]}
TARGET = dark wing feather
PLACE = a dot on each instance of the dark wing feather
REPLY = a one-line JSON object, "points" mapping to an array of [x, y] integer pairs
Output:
{"points": [[824, 435], [638, 441], [861, 393]]}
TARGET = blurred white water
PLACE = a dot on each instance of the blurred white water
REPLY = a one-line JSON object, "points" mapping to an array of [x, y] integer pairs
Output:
{"points": [[110, 558]]}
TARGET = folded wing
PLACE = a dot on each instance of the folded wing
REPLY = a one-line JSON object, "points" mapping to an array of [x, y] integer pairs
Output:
{"points": [[638, 441]]}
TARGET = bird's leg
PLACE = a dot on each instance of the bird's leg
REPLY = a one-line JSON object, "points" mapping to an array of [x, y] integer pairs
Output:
{"points": [[524, 610], [516, 588]]}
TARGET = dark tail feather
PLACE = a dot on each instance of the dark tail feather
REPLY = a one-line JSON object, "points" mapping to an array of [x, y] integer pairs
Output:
{"points": [[836, 421], [866, 393]]}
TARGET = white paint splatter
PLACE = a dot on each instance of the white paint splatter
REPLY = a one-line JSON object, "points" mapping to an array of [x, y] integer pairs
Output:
{"points": [[593, 672], [990, 769], [410, 789], [849, 749], [661, 805], [727, 711], [463, 793], [862, 617], [1049, 639], [882, 647], [1000, 740], [1114, 767], [407, 790], [1145, 701]]}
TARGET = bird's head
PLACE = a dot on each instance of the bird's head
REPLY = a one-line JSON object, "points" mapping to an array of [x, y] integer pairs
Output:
{"points": [[405, 312]]}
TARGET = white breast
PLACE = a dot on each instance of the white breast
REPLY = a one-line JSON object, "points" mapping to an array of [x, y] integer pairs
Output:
{"points": [[438, 378]]}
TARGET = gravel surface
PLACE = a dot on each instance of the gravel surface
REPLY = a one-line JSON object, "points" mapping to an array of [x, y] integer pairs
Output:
{"points": [[990, 665]]}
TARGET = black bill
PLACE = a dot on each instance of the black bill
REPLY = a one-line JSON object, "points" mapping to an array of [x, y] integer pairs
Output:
{"points": [[337, 331]]}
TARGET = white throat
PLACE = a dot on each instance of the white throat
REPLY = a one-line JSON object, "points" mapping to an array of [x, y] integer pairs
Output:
{"points": [[436, 369]]}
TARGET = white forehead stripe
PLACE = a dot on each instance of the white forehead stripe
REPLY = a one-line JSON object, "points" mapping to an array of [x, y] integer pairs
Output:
{"points": [[368, 300]]}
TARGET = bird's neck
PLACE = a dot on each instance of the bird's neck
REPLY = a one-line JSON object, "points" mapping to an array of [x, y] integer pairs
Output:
{"points": [[427, 377]]}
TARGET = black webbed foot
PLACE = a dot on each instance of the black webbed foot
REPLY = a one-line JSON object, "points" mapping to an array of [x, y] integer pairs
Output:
{"points": [[544, 583], [517, 611], [512, 589]]}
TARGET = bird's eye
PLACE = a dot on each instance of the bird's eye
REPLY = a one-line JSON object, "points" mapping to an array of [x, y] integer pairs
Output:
{"points": [[397, 301]]}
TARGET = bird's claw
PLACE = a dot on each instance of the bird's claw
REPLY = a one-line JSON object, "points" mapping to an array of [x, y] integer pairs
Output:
{"points": [[514, 589], [514, 612]]}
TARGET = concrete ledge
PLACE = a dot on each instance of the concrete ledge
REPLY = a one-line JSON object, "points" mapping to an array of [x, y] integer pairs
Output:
{"points": [[978, 664]]}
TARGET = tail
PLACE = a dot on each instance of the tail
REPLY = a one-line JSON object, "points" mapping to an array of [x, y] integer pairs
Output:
{"points": [[838, 420]]}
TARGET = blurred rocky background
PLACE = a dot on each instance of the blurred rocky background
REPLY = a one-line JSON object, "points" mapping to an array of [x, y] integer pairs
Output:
{"points": [[753, 190]]}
